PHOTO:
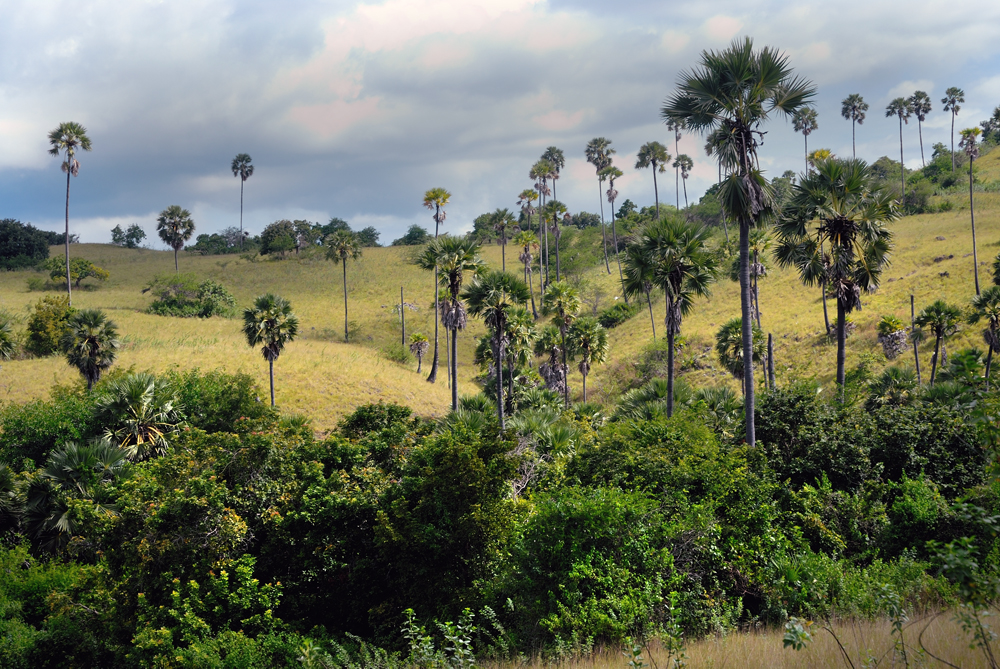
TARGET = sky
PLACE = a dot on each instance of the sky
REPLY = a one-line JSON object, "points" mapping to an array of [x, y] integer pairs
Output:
{"points": [[355, 109]]}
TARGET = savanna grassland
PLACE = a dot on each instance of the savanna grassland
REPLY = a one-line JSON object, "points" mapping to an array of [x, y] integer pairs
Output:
{"points": [[324, 378]]}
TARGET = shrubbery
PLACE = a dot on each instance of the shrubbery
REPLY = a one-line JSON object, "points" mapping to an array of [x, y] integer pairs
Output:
{"points": [[47, 324], [614, 316], [185, 296], [23, 245]]}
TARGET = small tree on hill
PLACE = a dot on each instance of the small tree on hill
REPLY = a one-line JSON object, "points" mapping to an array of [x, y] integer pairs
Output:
{"points": [[340, 246]]}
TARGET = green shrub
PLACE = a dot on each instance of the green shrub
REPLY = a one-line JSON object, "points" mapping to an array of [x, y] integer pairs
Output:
{"points": [[217, 401], [48, 322], [79, 269], [614, 316], [396, 352], [183, 295], [29, 431]]}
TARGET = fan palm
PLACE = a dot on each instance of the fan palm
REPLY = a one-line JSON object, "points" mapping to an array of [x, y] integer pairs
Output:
{"points": [[138, 413], [589, 340], [853, 109], [90, 343], [653, 154], [921, 104], [541, 172], [67, 139], [562, 302], [842, 206], [549, 343], [270, 324], [640, 268], [528, 241], [243, 168], [493, 296], [952, 99], [804, 121], [986, 307], [901, 108], [730, 350], [942, 319], [554, 212], [968, 144], [611, 173], [557, 159], [504, 225], [340, 246], [7, 347], [598, 153], [685, 165], [676, 126], [418, 347], [453, 257], [730, 96], [435, 199], [175, 227]]}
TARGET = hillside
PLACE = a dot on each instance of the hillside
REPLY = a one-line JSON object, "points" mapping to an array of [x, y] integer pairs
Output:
{"points": [[321, 376]]}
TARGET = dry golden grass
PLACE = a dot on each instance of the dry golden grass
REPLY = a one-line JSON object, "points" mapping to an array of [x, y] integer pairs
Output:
{"points": [[764, 649]]}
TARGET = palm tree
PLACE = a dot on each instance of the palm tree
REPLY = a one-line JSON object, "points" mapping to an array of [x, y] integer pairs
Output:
{"points": [[562, 302], [653, 154], [175, 227], [418, 347], [676, 126], [853, 108], [986, 307], [684, 268], [589, 340], [968, 143], [685, 165], [841, 206], [553, 212], [436, 199], [138, 413], [611, 173], [493, 296], [521, 337], [900, 107], [453, 257], [541, 172], [271, 324], [730, 350], [640, 268], [557, 159], [921, 104], [67, 139], [952, 97], [525, 201], [528, 241], [942, 319], [242, 167], [598, 153], [7, 347], [90, 343], [503, 221], [804, 121], [340, 246], [730, 96]]}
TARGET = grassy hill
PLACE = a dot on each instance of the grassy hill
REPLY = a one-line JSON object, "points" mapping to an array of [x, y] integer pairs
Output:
{"points": [[321, 376]]}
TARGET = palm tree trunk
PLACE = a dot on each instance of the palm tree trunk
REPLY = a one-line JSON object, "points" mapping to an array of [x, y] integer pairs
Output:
{"points": [[770, 360], [270, 366], [454, 369], [756, 290], [989, 362], [420, 361], [503, 253], [176, 269], [242, 181], [902, 166], [685, 181], [510, 380], [618, 258], [841, 346], [584, 386], [747, 332], [562, 330], [677, 173], [652, 321], [402, 322], [604, 230], [345, 298], [69, 285], [826, 315], [432, 377], [499, 367], [854, 147], [531, 290], [952, 150], [557, 257], [972, 214], [447, 359], [913, 328], [920, 132], [934, 360], [656, 192], [670, 370], [806, 138]]}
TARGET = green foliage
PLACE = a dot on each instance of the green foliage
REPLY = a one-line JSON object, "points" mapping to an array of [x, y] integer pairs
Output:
{"points": [[184, 296], [79, 269], [130, 238], [415, 236], [23, 246], [28, 432], [617, 314], [888, 325], [217, 401], [48, 322], [278, 238]]}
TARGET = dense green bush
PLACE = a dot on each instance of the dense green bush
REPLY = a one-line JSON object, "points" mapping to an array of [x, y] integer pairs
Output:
{"points": [[47, 324], [185, 296], [216, 401], [29, 431], [23, 245], [614, 316]]}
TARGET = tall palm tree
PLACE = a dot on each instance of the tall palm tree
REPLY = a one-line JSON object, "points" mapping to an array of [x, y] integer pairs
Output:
{"points": [[554, 212], [942, 319], [730, 96], [804, 121], [951, 101], [67, 139], [653, 154], [541, 172], [901, 108], [90, 343], [243, 168], [685, 165], [526, 202], [598, 153], [175, 227], [611, 173], [138, 413], [986, 307], [435, 199], [504, 224], [340, 246], [921, 104], [493, 296], [968, 144], [454, 257], [676, 126], [271, 324], [562, 302], [841, 206], [853, 108], [589, 340], [528, 241], [683, 268], [418, 347], [557, 159]]}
